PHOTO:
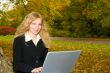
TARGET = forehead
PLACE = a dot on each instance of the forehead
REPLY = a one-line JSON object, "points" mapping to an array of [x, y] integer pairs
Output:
{"points": [[38, 20]]}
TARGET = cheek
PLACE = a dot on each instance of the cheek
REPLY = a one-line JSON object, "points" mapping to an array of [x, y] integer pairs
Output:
{"points": [[31, 27], [40, 27]]}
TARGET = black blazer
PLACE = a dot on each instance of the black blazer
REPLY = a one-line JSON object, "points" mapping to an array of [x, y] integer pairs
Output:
{"points": [[26, 55]]}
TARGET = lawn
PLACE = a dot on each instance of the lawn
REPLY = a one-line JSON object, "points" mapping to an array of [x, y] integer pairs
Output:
{"points": [[94, 58]]}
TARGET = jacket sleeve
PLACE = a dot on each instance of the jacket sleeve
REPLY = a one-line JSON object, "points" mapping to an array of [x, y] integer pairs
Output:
{"points": [[18, 64], [44, 56]]}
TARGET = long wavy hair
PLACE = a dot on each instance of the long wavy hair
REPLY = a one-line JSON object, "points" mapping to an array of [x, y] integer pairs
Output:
{"points": [[24, 27]]}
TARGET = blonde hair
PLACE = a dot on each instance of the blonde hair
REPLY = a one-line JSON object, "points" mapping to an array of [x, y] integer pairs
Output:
{"points": [[24, 27]]}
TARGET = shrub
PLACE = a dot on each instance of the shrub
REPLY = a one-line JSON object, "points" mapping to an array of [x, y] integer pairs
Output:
{"points": [[7, 30], [59, 33]]}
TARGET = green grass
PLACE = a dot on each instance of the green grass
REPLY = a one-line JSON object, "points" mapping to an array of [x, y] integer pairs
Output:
{"points": [[94, 58], [6, 38]]}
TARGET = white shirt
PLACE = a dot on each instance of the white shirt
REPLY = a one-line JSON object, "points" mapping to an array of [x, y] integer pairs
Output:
{"points": [[28, 38]]}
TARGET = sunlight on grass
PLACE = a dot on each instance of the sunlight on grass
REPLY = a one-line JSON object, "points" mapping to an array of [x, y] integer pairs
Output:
{"points": [[94, 58], [6, 38]]}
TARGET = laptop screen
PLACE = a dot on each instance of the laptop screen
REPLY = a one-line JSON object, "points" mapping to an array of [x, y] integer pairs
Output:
{"points": [[60, 62]]}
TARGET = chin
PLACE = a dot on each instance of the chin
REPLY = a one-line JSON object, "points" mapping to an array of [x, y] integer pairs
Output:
{"points": [[35, 33]]}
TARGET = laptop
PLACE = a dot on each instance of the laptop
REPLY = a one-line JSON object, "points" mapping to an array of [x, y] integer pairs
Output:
{"points": [[60, 62]]}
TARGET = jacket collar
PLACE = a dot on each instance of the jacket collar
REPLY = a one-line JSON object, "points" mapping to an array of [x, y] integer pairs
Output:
{"points": [[28, 38]]}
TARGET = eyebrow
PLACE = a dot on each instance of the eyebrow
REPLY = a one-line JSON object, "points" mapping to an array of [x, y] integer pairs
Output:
{"points": [[35, 23]]}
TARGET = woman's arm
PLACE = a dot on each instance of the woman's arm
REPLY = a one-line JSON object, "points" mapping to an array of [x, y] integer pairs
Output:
{"points": [[18, 64], [44, 56]]}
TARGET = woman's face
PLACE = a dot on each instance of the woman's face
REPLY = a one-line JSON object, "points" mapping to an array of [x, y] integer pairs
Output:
{"points": [[35, 26]]}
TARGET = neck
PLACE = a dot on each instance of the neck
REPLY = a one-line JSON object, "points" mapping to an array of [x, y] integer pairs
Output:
{"points": [[32, 35]]}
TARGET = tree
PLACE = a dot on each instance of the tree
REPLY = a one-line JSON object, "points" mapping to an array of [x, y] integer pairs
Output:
{"points": [[86, 18], [48, 8]]}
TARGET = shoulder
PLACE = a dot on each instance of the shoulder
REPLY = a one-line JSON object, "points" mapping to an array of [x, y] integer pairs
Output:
{"points": [[42, 43], [19, 38]]}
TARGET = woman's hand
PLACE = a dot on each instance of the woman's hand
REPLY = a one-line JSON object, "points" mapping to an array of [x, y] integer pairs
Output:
{"points": [[36, 70]]}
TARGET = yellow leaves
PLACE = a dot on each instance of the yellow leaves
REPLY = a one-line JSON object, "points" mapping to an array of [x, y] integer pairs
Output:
{"points": [[94, 58], [7, 48], [59, 4], [51, 4]]}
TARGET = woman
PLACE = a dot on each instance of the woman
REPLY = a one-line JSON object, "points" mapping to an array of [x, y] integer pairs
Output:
{"points": [[30, 45]]}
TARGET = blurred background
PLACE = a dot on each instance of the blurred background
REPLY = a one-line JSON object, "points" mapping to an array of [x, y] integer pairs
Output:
{"points": [[72, 25]]}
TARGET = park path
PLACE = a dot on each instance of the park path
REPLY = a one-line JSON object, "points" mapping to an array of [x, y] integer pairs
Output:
{"points": [[91, 40]]}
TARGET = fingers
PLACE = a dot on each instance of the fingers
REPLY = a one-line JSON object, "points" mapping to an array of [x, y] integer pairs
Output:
{"points": [[36, 70], [40, 68]]}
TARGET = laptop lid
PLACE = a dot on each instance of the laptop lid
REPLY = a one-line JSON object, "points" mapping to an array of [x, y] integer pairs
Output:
{"points": [[60, 62]]}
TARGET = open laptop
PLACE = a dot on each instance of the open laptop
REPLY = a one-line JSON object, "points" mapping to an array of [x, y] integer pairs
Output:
{"points": [[60, 62]]}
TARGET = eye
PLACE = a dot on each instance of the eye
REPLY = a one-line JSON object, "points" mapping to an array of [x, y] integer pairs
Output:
{"points": [[40, 24], [33, 23]]}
